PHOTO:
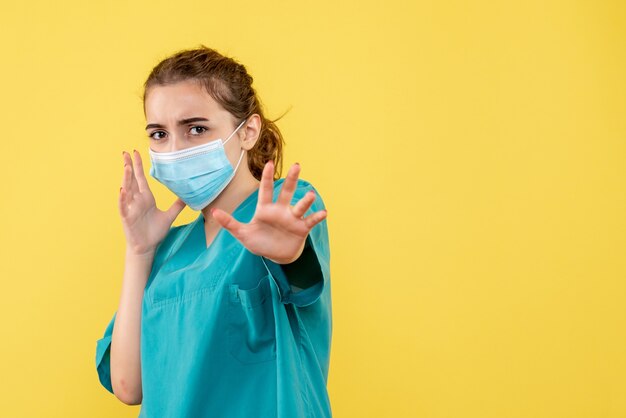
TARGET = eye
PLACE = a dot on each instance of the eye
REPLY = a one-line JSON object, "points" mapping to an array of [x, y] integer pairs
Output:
{"points": [[152, 135], [202, 129]]}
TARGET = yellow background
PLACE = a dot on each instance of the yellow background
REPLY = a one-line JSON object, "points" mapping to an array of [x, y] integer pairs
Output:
{"points": [[471, 154]]}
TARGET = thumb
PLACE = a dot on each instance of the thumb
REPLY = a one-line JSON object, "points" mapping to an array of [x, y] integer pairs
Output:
{"points": [[174, 210], [228, 222]]}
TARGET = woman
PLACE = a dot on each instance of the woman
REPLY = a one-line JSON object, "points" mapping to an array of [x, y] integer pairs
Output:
{"points": [[229, 315]]}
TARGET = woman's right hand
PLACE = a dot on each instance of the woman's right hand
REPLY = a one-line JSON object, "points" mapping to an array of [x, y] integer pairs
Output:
{"points": [[145, 226]]}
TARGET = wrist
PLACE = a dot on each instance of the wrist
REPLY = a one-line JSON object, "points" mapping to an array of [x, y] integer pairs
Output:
{"points": [[139, 253]]}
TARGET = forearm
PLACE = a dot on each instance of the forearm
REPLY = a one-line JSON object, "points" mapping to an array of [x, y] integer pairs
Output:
{"points": [[125, 343]]}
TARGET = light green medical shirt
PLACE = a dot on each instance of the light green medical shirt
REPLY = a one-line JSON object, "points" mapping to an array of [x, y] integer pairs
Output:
{"points": [[224, 333]]}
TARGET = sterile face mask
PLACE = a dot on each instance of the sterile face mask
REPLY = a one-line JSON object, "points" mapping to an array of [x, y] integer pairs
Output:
{"points": [[198, 174]]}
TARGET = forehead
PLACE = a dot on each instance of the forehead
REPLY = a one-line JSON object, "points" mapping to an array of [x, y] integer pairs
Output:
{"points": [[180, 100]]}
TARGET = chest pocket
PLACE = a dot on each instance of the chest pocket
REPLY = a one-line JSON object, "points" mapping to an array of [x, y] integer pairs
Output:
{"points": [[182, 278], [251, 323]]}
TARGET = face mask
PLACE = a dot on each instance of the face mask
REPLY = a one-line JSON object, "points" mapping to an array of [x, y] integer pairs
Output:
{"points": [[198, 174]]}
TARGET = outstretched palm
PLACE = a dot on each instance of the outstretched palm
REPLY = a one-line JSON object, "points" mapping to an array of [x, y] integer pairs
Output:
{"points": [[278, 230]]}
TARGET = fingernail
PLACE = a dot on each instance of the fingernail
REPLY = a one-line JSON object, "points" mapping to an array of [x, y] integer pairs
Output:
{"points": [[135, 151], [120, 190], [297, 163]]}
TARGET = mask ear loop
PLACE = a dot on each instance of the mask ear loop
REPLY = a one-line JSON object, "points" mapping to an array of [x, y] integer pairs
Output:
{"points": [[238, 162], [240, 158], [242, 150], [233, 133]]}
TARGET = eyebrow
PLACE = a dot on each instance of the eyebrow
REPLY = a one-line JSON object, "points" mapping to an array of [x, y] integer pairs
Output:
{"points": [[180, 122]]}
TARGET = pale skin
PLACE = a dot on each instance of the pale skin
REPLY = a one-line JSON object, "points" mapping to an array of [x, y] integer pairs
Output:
{"points": [[277, 231]]}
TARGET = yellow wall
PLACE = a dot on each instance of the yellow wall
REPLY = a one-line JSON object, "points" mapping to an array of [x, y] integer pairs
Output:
{"points": [[472, 156]]}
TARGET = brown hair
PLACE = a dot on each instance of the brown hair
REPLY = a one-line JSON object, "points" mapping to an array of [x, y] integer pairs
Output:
{"points": [[230, 85]]}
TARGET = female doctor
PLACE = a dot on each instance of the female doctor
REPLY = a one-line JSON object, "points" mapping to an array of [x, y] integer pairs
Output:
{"points": [[229, 315]]}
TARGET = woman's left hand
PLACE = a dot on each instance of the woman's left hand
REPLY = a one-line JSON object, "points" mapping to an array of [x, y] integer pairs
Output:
{"points": [[278, 230]]}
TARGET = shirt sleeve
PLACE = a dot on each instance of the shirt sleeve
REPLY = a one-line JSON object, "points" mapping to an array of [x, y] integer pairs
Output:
{"points": [[103, 356], [302, 282]]}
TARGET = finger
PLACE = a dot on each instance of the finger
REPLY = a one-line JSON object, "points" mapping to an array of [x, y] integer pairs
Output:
{"points": [[266, 188], [121, 203], [175, 210], [315, 218], [128, 173], [142, 183], [228, 222], [133, 181], [303, 204], [289, 185]]}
